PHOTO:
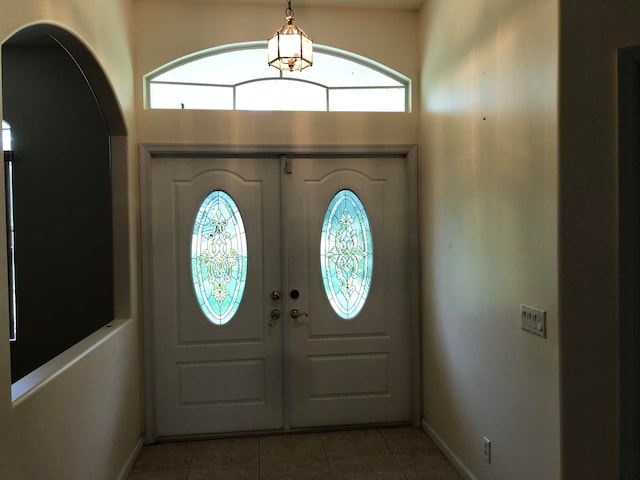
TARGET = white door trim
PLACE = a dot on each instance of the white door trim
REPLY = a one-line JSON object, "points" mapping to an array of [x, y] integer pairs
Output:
{"points": [[148, 152]]}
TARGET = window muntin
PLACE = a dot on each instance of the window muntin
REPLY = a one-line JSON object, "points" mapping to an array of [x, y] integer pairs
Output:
{"points": [[346, 254], [226, 68], [280, 94], [359, 100], [338, 72], [219, 257], [243, 70], [194, 97]]}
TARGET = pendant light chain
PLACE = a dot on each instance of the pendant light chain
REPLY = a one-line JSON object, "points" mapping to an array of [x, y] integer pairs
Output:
{"points": [[289, 15]]}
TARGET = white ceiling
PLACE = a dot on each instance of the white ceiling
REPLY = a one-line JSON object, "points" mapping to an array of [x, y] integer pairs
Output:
{"points": [[392, 4]]}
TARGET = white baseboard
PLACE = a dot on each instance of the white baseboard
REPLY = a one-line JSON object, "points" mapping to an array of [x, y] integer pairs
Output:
{"points": [[126, 470], [453, 458]]}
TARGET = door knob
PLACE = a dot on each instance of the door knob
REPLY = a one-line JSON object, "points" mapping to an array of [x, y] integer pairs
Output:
{"points": [[275, 315], [295, 313]]}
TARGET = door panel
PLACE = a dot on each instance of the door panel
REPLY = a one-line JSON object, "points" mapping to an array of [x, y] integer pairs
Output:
{"points": [[215, 378], [357, 370], [247, 192]]}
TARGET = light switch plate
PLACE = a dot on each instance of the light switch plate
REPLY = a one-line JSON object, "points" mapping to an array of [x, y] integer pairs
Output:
{"points": [[533, 320]]}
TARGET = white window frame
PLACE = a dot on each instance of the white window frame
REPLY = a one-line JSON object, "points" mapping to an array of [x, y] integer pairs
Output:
{"points": [[402, 82]]}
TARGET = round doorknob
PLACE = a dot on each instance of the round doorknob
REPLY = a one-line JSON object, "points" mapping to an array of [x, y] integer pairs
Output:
{"points": [[275, 315]]}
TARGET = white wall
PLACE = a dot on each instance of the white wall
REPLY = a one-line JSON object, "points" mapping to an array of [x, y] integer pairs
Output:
{"points": [[376, 34], [84, 422], [489, 175]]}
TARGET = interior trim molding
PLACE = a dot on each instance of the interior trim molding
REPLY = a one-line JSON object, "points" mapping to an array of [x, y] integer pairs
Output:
{"points": [[460, 467], [128, 466]]}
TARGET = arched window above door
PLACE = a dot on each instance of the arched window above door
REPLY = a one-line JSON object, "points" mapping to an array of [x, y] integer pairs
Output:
{"points": [[237, 77]]}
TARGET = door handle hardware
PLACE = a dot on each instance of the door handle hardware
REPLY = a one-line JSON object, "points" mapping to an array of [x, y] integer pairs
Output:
{"points": [[295, 313], [275, 315], [275, 295]]}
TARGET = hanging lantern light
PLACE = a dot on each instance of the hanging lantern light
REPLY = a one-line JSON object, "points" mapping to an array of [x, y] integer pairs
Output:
{"points": [[290, 48]]}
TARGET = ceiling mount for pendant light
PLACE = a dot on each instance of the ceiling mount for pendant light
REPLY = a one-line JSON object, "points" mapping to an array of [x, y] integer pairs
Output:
{"points": [[290, 48]]}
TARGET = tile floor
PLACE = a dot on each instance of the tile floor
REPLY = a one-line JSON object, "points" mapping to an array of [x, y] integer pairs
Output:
{"points": [[380, 454]]}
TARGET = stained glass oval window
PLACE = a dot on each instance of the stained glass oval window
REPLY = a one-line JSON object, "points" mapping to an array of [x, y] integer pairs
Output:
{"points": [[219, 257], [346, 254]]}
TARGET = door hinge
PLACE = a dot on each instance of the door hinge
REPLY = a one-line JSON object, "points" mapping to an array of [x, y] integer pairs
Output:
{"points": [[288, 168]]}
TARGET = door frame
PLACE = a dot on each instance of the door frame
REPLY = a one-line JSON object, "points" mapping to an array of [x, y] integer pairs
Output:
{"points": [[629, 259], [149, 152]]}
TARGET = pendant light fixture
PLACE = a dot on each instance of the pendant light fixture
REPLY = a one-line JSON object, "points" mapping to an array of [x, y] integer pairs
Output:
{"points": [[290, 48]]}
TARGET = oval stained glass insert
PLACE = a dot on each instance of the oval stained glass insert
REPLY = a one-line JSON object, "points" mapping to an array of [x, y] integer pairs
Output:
{"points": [[219, 257], [346, 254]]}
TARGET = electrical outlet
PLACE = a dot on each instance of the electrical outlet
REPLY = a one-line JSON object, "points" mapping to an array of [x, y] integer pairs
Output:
{"points": [[533, 320], [487, 449]]}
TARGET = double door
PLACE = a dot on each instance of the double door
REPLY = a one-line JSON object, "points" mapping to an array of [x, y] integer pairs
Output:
{"points": [[284, 354]]}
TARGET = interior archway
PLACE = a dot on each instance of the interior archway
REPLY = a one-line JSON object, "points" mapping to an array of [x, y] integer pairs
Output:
{"points": [[70, 150]]}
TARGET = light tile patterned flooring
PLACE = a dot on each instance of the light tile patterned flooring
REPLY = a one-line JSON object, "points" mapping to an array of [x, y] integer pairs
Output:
{"points": [[380, 454]]}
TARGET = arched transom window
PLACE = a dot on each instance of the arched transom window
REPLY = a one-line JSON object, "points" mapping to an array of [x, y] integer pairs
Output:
{"points": [[237, 77]]}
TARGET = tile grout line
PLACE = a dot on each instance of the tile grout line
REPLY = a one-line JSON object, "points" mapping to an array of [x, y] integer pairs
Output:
{"points": [[193, 454], [395, 458], [259, 457], [326, 457]]}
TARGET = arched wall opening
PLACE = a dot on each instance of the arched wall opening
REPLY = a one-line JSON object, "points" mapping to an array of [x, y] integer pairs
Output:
{"points": [[69, 194]]}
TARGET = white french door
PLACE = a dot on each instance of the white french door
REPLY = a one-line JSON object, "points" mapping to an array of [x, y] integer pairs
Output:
{"points": [[208, 377], [351, 371], [287, 357]]}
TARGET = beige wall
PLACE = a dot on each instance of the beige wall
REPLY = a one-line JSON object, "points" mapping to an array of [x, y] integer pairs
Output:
{"points": [[376, 34], [489, 175], [494, 175], [85, 421], [591, 36]]}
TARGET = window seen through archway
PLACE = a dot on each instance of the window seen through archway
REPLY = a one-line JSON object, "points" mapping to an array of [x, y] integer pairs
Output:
{"points": [[8, 188], [6, 136], [237, 77]]}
